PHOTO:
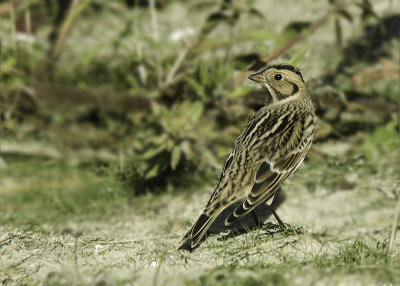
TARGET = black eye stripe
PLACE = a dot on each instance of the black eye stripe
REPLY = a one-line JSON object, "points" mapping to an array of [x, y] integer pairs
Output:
{"points": [[295, 88]]}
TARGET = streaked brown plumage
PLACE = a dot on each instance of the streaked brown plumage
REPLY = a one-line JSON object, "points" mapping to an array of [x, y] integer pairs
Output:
{"points": [[272, 145]]}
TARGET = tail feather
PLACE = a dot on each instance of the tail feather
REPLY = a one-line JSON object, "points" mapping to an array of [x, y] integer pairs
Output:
{"points": [[243, 209], [200, 224], [195, 235]]}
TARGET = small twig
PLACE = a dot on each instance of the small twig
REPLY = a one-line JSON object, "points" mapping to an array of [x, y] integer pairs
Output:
{"points": [[286, 243], [76, 250], [75, 9], [397, 190], [156, 38], [276, 53], [13, 30], [229, 47], [121, 161], [21, 261], [300, 37], [28, 24], [154, 21], [163, 255], [1, 62], [394, 225], [76, 266], [9, 239], [339, 34], [6, 241], [176, 65], [234, 259]]}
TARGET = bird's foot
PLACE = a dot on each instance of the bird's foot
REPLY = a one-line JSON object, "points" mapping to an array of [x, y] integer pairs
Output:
{"points": [[284, 228]]}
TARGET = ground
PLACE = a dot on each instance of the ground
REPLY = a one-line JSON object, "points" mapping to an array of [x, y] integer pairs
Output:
{"points": [[340, 211]]}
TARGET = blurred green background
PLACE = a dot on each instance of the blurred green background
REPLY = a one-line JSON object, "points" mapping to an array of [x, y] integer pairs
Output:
{"points": [[102, 100]]}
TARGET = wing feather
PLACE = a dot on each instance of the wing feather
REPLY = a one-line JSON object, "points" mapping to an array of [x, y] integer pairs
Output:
{"points": [[269, 178]]}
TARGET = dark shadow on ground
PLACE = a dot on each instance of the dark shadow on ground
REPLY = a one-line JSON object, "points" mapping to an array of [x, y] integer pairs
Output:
{"points": [[262, 212]]}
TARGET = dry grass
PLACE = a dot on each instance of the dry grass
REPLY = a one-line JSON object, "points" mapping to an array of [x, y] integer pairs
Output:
{"points": [[133, 241]]}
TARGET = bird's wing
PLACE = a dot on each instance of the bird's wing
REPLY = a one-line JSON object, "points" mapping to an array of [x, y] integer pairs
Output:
{"points": [[194, 236], [231, 158], [274, 171], [223, 173]]}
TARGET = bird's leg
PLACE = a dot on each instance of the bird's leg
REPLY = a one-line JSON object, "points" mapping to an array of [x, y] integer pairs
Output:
{"points": [[277, 200], [255, 217], [281, 224], [278, 219]]}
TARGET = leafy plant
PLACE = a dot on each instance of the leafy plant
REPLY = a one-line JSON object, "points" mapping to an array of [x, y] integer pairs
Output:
{"points": [[385, 138], [175, 140]]}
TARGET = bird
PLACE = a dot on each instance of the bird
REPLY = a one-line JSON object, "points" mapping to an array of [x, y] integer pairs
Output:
{"points": [[272, 145]]}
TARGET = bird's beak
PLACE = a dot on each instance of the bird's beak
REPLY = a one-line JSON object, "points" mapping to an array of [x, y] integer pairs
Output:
{"points": [[257, 77]]}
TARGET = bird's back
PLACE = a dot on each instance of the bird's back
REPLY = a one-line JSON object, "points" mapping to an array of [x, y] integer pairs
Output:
{"points": [[274, 132]]}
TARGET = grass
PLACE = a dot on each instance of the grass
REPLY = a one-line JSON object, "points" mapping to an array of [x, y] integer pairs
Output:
{"points": [[242, 276], [91, 227], [40, 192], [357, 257]]}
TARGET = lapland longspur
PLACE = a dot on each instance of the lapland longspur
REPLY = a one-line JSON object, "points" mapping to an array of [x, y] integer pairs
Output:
{"points": [[272, 146]]}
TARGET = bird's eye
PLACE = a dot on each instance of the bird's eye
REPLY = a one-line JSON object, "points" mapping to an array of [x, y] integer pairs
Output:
{"points": [[278, 77]]}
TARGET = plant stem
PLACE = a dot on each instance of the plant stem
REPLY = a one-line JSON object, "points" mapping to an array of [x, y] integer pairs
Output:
{"points": [[13, 32], [279, 51], [176, 65], [75, 9], [394, 225], [156, 38]]}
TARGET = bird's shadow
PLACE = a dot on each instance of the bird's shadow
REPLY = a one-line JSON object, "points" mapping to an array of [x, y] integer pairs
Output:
{"points": [[248, 222]]}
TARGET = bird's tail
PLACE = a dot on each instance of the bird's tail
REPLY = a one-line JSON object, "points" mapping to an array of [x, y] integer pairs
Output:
{"points": [[195, 235]]}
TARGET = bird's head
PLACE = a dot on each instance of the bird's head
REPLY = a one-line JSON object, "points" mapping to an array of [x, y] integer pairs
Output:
{"points": [[282, 81]]}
